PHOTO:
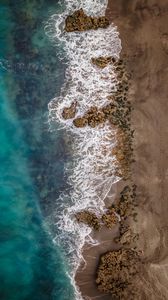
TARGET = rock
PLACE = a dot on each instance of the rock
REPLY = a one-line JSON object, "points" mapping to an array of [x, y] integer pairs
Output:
{"points": [[116, 272], [126, 204], [110, 218], [117, 113], [127, 237], [79, 21], [95, 117], [123, 150], [102, 62], [108, 110], [69, 112], [88, 218], [80, 122]]}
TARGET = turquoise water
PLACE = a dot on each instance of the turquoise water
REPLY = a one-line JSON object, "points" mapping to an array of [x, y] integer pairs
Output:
{"points": [[31, 157]]}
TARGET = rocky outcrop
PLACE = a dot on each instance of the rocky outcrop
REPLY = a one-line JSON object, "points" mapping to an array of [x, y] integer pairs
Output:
{"points": [[118, 268], [126, 235], [79, 21], [124, 153], [94, 116], [110, 218], [126, 204], [116, 272], [69, 112], [102, 62], [80, 122], [88, 218], [121, 119], [117, 112]]}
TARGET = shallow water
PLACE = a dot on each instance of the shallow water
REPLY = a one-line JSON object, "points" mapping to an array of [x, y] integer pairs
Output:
{"points": [[32, 157]]}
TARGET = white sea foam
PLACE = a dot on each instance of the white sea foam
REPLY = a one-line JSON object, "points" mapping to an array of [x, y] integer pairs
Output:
{"points": [[91, 174]]}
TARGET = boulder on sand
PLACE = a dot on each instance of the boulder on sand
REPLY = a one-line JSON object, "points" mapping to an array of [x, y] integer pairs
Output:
{"points": [[116, 272]]}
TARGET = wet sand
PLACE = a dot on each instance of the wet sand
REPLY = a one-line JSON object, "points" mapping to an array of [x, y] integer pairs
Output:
{"points": [[143, 27]]}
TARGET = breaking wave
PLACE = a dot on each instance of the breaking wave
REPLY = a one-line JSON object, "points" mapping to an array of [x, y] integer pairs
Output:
{"points": [[91, 172]]}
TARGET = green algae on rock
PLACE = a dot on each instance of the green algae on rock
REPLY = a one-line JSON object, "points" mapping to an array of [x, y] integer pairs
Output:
{"points": [[79, 21]]}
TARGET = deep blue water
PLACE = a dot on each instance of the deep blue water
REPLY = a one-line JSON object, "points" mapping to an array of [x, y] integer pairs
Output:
{"points": [[31, 157]]}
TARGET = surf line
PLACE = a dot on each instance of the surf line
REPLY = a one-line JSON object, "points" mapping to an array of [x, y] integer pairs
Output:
{"points": [[93, 109]]}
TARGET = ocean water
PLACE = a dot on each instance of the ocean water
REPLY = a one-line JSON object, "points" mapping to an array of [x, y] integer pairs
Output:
{"points": [[32, 157], [49, 169]]}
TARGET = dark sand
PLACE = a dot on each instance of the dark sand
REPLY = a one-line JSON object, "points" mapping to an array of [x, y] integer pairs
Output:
{"points": [[143, 27]]}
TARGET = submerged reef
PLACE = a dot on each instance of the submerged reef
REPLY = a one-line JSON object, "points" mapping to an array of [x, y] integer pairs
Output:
{"points": [[116, 271], [79, 21]]}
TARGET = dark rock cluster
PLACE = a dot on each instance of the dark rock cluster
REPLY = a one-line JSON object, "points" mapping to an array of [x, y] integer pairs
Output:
{"points": [[80, 122], [116, 272], [110, 218], [127, 202], [124, 208], [124, 153], [69, 112], [102, 62], [94, 116], [121, 119], [79, 21], [88, 218], [126, 235], [117, 112], [117, 269]]}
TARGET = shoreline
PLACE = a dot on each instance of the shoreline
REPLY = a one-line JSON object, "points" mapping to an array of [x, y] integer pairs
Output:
{"points": [[74, 114], [148, 84]]}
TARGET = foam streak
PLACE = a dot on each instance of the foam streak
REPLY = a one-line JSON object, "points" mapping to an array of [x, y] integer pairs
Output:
{"points": [[93, 164]]}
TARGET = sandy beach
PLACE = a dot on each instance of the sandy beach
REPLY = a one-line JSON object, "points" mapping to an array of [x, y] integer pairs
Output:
{"points": [[143, 28]]}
